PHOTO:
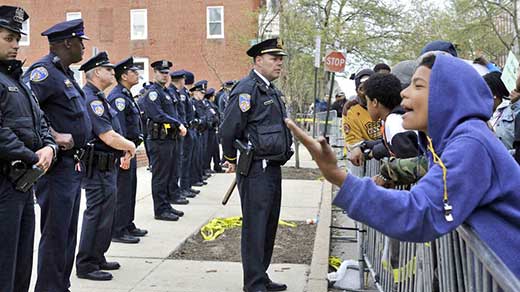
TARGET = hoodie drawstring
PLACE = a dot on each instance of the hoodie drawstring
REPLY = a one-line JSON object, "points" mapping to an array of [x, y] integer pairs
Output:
{"points": [[437, 160]]}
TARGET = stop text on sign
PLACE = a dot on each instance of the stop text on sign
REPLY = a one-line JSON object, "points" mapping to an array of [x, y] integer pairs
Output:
{"points": [[335, 61]]}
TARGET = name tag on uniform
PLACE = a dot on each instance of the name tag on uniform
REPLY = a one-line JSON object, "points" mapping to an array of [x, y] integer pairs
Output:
{"points": [[12, 89], [268, 102]]}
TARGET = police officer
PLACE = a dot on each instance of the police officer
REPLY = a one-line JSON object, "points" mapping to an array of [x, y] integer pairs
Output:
{"points": [[214, 121], [255, 114], [25, 141], [198, 90], [223, 97], [163, 127], [187, 144], [101, 163], [58, 192], [144, 118], [129, 116]]}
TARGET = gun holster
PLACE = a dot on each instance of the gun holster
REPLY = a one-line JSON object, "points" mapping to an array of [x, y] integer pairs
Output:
{"points": [[246, 157], [22, 176]]}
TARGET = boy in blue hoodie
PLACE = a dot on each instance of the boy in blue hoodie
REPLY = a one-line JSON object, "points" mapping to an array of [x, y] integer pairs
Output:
{"points": [[470, 171]]}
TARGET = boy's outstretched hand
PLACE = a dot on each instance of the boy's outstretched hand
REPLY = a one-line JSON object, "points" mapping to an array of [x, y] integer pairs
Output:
{"points": [[322, 153]]}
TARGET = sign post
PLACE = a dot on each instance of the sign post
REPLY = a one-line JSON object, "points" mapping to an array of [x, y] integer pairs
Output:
{"points": [[335, 62], [317, 53]]}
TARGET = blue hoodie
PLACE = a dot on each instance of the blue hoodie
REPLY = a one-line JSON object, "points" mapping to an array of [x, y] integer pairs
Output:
{"points": [[482, 179]]}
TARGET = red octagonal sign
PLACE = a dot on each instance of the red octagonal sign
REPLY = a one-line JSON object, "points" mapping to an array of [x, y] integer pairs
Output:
{"points": [[335, 61]]}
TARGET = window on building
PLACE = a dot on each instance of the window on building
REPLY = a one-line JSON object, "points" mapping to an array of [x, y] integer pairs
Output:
{"points": [[25, 39], [138, 24], [73, 15], [215, 22], [143, 65]]}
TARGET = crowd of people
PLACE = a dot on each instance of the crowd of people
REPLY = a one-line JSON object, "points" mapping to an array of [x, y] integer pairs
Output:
{"points": [[60, 137]]}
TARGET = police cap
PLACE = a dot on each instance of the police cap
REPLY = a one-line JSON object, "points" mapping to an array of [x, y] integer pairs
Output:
{"points": [[209, 93], [178, 74], [190, 78], [200, 86], [99, 60], [12, 18], [162, 66], [66, 30], [123, 66], [270, 46]]}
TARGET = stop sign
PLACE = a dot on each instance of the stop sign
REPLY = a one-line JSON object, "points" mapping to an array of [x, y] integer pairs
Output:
{"points": [[335, 61]]}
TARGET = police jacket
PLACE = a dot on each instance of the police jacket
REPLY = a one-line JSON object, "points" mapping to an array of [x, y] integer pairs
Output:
{"points": [[179, 106], [103, 117], [159, 106], [223, 102], [60, 97], [189, 108], [212, 113], [23, 129], [256, 113], [201, 114], [128, 112]]}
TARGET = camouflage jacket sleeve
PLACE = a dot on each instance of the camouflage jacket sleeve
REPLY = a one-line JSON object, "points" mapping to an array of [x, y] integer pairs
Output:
{"points": [[404, 171]]}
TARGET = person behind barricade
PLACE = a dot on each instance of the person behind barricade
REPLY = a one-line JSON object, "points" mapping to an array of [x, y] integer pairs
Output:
{"points": [[468, 180], [26, 147], [500, 96], [214, 122], [163, 127], [58, 193], [129, 116], [198, 90], [382, 68], [357, 124], [505, 124], [102, 160], [338, 104]]}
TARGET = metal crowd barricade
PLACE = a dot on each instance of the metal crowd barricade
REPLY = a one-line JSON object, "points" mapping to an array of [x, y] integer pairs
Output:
{"points": [[457, 262], [334, 131]]}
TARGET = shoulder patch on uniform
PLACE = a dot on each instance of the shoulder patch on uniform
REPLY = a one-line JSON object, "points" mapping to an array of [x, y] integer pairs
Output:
{"points": [[244, 101], [152, 95], [97, 107], [120, 104], [39, 74]]}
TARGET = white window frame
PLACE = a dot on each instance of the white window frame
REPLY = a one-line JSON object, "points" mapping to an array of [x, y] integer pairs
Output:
{"points": [[133, 15], [145, 74], [73, 15], [221, 35], [25, 40]]}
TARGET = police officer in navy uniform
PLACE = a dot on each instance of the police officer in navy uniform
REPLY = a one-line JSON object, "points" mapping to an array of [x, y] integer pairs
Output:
{"points": [[128, 114], [198, 90], [223, 96], [102, 162], [163, 127], [255, 114], [25, 141], [214, 122], [58, 192]]}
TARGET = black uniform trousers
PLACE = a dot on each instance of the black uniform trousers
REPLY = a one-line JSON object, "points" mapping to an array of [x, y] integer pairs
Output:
{"points": [[196, 167], [173, 180], [17, 229], [205, 152], [214, 151], [59, 194], [186, 159], [98, 219], [260, 198], [162, 168], [126, 193]]}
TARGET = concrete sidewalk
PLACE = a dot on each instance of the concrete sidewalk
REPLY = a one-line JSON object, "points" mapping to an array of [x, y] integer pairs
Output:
{"points": [[145, 267]]}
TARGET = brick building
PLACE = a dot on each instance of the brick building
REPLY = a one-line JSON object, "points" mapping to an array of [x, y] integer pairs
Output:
{"points": [[207, 37]]}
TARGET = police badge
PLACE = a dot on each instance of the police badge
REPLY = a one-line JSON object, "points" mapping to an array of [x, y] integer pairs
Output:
{"points": [[97, 107], [244, 102], [120, 104], [152, 95]]}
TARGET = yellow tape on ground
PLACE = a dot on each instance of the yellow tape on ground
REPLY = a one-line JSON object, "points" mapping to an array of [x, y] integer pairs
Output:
{"points": [[334, 262], [217, 226]]}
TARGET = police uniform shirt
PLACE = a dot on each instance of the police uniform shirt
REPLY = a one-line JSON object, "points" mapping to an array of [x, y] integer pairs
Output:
{"points": [[159, 105], [179, 105], [256, 113], [102, 115], [200, 112], [128, 112], [23, 128], [189, 108], [60, 97]]}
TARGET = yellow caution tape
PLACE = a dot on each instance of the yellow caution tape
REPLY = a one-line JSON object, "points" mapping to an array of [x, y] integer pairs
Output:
{"points": [[217, 226], [334, 262]]}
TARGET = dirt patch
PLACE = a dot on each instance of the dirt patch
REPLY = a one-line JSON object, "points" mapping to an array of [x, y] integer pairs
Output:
{"points": [[293, 245], [301, 173]]}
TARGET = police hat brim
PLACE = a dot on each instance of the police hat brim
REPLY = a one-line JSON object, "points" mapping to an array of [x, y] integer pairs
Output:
{"points": [[15, 30], [164, 71], [84, 37], [109, 65], [133, 68]]}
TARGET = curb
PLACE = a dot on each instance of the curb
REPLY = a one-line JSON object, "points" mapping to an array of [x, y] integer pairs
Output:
{"points": [[317, 281]]}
